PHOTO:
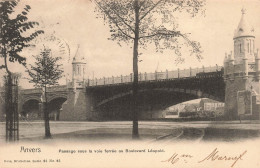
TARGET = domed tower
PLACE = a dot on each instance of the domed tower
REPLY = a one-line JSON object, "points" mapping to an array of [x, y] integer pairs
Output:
{"points": [[78, 68], [241, 74], [77, 107], [244, 41]]}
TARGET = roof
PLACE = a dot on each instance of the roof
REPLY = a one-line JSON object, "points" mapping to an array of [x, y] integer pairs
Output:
{"points": [[244, 29], [78, 57], [209, 101], [191, 107]]}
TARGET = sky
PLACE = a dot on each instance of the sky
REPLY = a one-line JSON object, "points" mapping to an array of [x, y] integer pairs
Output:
{"points": [[74, 23]]}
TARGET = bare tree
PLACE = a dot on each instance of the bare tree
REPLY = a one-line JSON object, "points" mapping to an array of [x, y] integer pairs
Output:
{"points": [[45, 73], [141, 22]]}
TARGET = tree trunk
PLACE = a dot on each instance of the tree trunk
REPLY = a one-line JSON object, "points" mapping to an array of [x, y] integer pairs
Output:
{"points": [[135, 134], [8, 108], [8, 102], [46, 116]]}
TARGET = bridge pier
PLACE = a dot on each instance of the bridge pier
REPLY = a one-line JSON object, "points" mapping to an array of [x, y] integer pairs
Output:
{"points": [[75, 108], [242, 92], [40, 112]]}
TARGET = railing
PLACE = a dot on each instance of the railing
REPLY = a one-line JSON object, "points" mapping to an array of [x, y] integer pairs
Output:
{"points": [[152, 76], [184, 73]]}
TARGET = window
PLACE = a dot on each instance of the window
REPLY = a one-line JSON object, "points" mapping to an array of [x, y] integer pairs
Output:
{"points": [[78, 70], [250, 47], [240, 48], [253, 45]]}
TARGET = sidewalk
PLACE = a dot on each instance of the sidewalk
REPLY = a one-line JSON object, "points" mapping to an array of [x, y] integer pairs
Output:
{"points": [[154, 135], [148, 130]]}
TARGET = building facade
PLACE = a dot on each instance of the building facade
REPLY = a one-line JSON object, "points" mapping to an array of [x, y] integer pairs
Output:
{"points": [[210, 105]]}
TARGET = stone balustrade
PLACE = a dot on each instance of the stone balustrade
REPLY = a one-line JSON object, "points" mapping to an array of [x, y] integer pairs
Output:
{"points": [[184, 73]]}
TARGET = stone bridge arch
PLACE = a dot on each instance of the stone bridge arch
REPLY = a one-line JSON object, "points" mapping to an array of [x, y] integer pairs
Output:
{"points": [[197, 93], [157, 94], [27, 103], [151, 104], [56, 96], [25, 98], [30, 108], [55, 103]]}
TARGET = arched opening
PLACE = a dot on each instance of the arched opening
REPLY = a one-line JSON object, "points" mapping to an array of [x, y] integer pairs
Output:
{"points": [[202, 108], [55, 108], [31, 110], [152, 104]]}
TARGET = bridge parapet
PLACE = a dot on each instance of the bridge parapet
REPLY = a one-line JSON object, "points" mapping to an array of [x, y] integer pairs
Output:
{"points": [[39, 90], [31, 91], [239, 70], [57, 88], [191, 72]]}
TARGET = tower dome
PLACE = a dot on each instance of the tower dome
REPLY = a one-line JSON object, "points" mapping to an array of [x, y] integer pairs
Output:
{"points": [[244, 41], [244, 29], [78, 67], [78, 57]]}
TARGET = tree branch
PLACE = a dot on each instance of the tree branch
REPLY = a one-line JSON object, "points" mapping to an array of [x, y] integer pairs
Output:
{"points": [[112, 19], [2, 66], [123, 20], [189, 42], [5, 60], [175, 8], [173, 34], [150, 9], [141, 3], [161, 34]]}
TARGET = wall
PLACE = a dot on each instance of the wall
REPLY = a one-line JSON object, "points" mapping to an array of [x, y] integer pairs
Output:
{"points": [[232, 87], [75, 108]]}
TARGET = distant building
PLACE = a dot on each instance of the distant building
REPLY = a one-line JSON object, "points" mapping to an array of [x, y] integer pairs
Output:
{"points": [[211, 105], [173, 111], [176, 108], [190, 110], [194, 107]]}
